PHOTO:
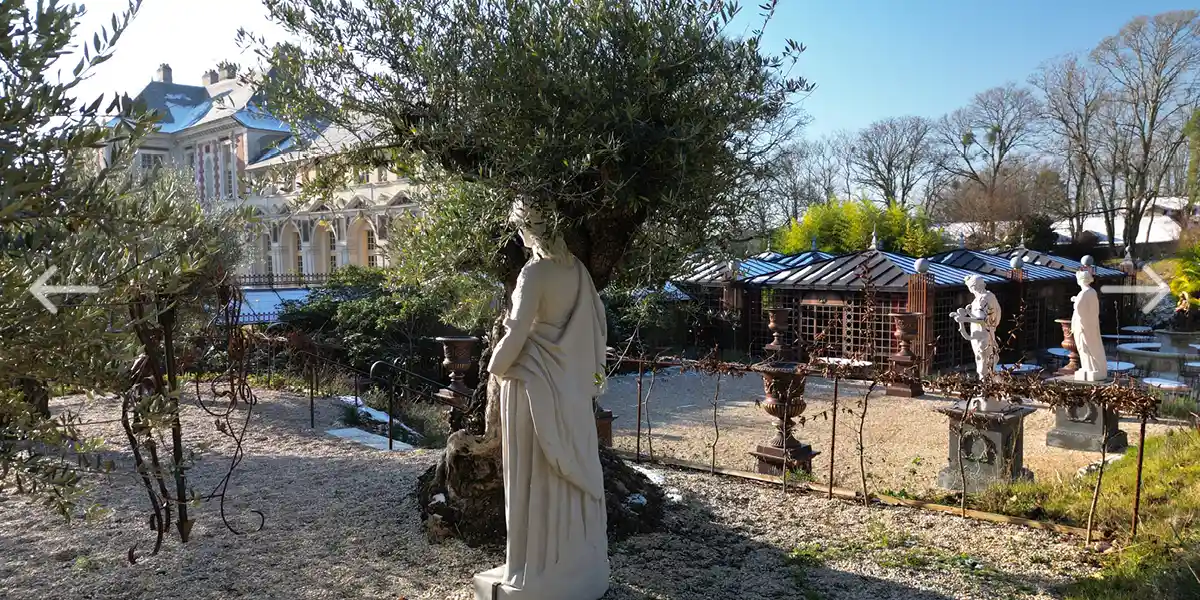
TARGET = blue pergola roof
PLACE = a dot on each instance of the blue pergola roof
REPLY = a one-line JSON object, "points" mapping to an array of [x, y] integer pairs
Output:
{"points": [[712, 272], [886, 270], [983, 262], [1056, 262]]}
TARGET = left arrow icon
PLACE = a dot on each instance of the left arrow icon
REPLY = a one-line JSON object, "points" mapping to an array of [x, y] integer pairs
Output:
{"points": [[42, 291]]}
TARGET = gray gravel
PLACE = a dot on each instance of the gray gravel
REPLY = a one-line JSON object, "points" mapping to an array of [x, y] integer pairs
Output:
{"points": [[341, 524]]}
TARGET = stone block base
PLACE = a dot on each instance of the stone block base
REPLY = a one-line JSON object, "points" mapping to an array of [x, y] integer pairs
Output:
{"points": [[990, 444], [977, 479], [771, 459], [604, 421], [1088, 442], [906, 390], [586, 583]]}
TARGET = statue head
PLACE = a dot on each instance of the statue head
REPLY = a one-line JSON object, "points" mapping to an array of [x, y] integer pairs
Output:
{"points": [[976, 284], [535, 232], [1084, 277]]}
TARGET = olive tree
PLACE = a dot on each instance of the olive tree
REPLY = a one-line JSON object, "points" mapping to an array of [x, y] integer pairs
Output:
{"points": [[72, 202], [642, 127]]}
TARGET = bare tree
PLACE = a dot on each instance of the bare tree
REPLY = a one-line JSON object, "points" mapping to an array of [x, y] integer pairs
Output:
{"points": [[824, 167], [981, 142], [1153, 63], [983, 137], [841, 147], [794, 182], [891, 156], [1074, 93]]}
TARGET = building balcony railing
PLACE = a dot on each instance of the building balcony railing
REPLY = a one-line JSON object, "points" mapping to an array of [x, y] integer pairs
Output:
{"points": [[283, 280]]}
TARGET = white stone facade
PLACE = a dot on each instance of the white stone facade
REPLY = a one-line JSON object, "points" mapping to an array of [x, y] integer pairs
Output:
{"points": [[241, 155]]}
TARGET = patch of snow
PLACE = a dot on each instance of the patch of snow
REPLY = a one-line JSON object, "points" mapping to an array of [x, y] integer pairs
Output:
{"points": [[1095, 466], [674, 495], [439, 499], [654, 476], [369, 439], [376, 415]]}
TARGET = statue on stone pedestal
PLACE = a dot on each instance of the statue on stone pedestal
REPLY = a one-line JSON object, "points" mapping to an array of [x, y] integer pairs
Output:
{"points": [[550, 365], [1085, 327], [977, 324]]}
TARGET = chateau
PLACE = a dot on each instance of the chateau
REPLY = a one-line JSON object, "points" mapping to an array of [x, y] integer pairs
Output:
{"points": [[242, 155]]}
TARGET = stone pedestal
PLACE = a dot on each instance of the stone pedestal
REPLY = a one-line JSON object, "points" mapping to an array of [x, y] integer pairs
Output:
{"points": [[1081, 428], [773, 460], [992, 447], [604, 421]]}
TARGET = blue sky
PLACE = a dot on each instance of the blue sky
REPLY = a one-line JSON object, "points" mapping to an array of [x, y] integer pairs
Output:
{"points": [[872, 59]]}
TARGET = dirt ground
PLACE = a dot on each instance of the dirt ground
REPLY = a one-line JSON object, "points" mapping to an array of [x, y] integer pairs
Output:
{"points": [[341, 523], [906, 440]]}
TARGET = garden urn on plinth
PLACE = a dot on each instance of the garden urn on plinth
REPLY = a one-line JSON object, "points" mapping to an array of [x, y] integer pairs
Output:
{"points": [[458, 351], [906, 380], [1068, 344], [783, 388]]}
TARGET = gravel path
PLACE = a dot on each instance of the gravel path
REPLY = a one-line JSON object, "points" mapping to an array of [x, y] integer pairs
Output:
{"points": [[341, 524], [905, 439]]}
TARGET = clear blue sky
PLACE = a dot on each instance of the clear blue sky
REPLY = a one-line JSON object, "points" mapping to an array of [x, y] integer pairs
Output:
{"points": [[872, 59]]}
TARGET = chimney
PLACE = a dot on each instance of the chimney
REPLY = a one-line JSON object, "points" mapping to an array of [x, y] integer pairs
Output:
{"points": [[163, 74], [228, 71], [211, 77]]}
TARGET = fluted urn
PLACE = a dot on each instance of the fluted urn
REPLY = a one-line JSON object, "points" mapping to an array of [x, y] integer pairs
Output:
{"points": [[1068, 344], [904, 362], [457, 353], [783, 400]]}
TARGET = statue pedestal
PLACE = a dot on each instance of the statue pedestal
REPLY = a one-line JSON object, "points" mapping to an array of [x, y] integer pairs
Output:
{"points": [[992, 447], [905, 389], [772, 459], [604, 421], [581, 582], [1081, 428]]}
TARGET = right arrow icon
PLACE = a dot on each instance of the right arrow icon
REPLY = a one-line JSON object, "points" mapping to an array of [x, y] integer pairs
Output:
{"points": [[1160, 290]]}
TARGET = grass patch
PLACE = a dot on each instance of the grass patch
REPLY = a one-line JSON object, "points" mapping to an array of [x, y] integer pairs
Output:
{"points": [[1160, 562], [882, 538], [427, 420], [351, 416]]}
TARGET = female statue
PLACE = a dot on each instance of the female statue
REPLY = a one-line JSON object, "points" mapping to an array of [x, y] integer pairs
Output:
{"points": [[1085, 327], [977, 324], [550, 364]]}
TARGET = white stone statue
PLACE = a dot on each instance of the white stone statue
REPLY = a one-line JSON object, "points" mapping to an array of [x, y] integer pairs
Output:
{"points": [[1085, 327], [977, 324], [550, 364]]}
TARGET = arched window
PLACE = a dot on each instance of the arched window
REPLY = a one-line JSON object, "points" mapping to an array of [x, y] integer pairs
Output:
{"points": [[332, 251], [299, 254], [372, 249]]}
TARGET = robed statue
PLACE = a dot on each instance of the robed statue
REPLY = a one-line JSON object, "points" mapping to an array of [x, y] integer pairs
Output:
{"points": [[1085, 328], [550, 364]]}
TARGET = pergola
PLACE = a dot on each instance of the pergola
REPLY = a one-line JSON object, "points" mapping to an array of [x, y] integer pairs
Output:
{"points": [[829, 297]]}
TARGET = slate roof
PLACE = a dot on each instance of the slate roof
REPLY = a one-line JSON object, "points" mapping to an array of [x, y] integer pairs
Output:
{"points": [[802, 258], [182, 107], [711, 272], [1056, 262], [888, 272], [974, 260]]}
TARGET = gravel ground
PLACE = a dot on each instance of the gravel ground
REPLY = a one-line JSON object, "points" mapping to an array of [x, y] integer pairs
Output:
{"points": [[906, 440], [340, 523]]}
